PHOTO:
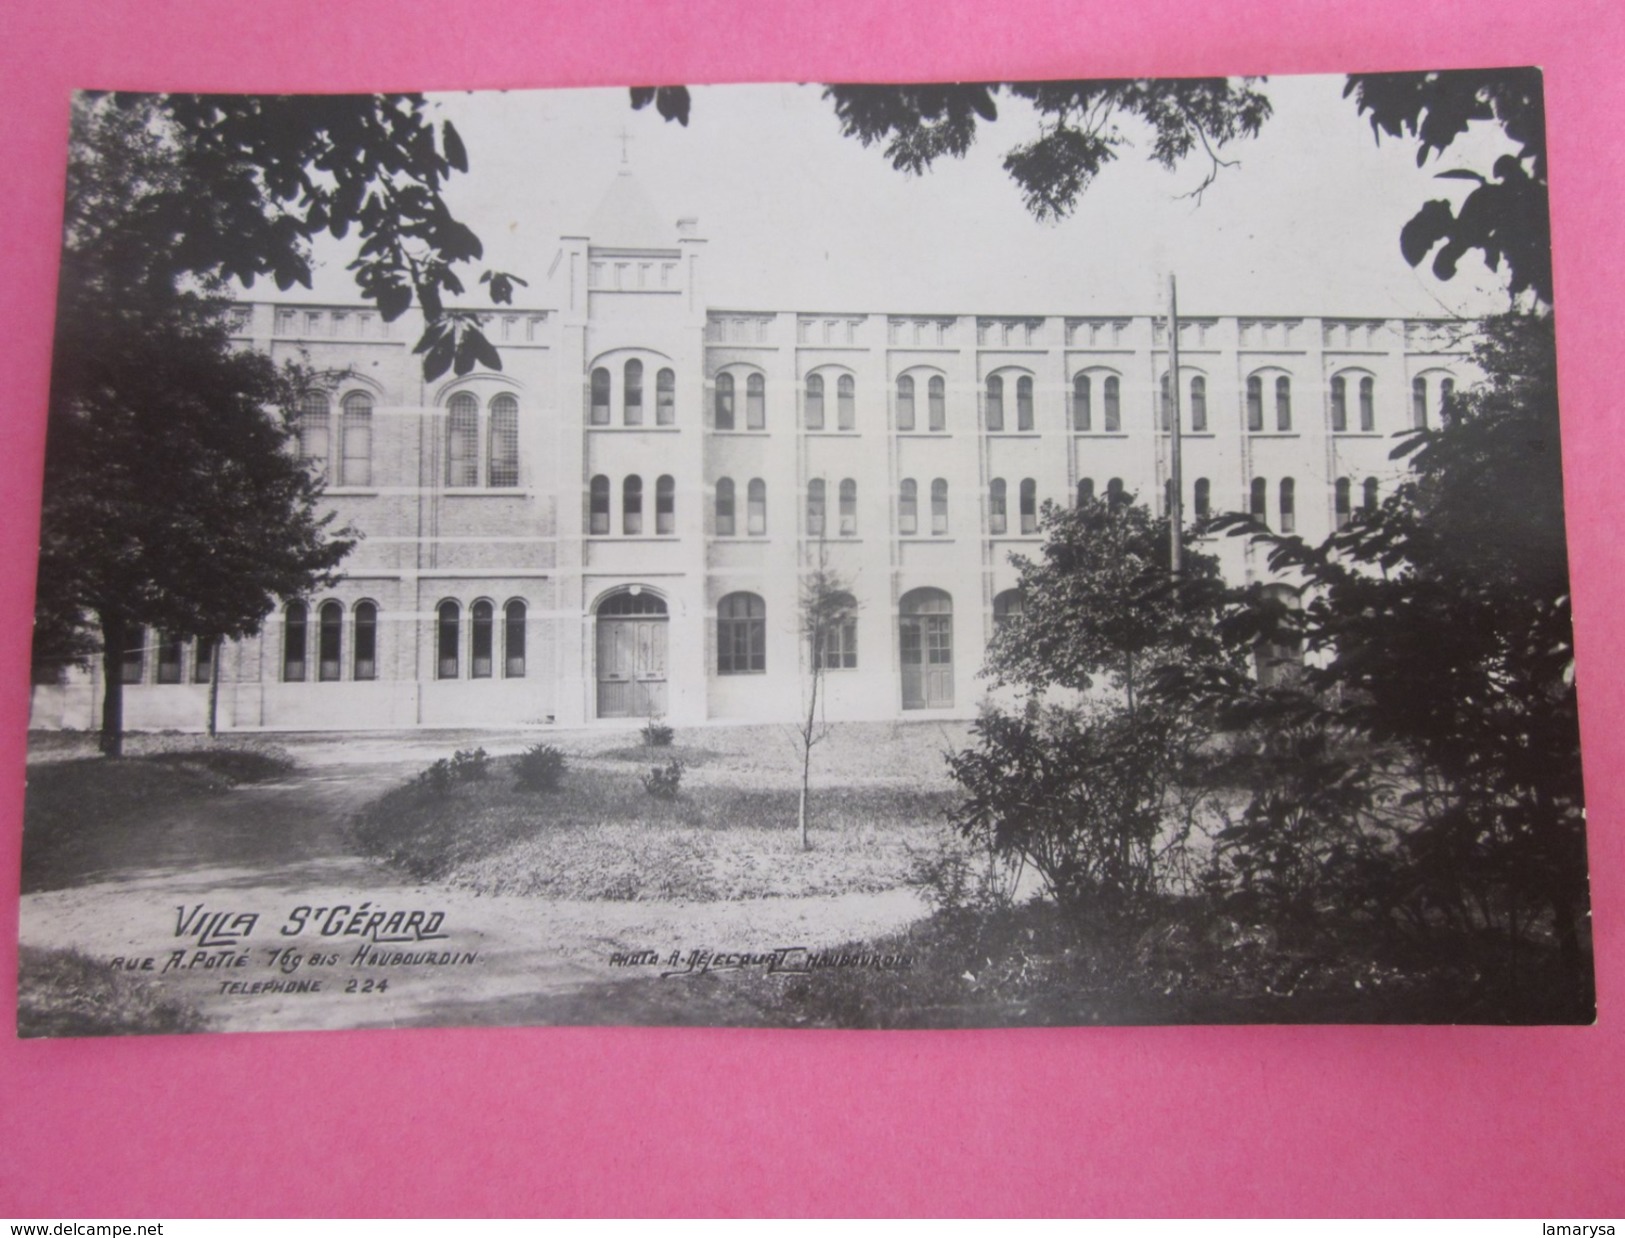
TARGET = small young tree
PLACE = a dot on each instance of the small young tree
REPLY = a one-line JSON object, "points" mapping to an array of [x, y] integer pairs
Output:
{"points": [[828, 619]]}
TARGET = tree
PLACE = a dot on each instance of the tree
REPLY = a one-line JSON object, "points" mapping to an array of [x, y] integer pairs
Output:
{"points": [[1440, 624], [828, 613], [1100, 601], [1506, 219], [171, 498], [257, 177]]}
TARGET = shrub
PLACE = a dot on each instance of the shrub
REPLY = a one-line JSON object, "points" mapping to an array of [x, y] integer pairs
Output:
{"points": [[955, 875], [437, 778], [541, 768], [470, 765], [663, 781], [658, 734]]}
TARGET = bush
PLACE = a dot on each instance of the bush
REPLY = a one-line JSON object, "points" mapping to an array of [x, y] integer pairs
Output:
{"points": [[956, 876], [541, 768], [658, 734], [470, 765], [437, 778], [663, 781], [1085, 798]]}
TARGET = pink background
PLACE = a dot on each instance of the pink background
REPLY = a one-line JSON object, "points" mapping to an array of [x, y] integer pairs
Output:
{"points": [[542, 1121]]}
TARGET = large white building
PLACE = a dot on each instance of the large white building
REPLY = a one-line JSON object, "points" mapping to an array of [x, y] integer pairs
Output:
{"points": [[616, 524]]}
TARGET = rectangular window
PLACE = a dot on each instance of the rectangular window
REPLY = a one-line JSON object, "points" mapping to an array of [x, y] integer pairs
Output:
{"points": [[203, 662], [839, 650], [169, 659]]}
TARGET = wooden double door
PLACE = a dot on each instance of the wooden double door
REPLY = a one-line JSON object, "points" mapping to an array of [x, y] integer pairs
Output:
{"points": [[631, 666], [926, 644]]}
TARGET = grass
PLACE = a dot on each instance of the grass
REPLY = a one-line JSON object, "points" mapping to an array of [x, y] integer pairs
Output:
{"points": [[66, 993], [76, 803], [730, 833]]}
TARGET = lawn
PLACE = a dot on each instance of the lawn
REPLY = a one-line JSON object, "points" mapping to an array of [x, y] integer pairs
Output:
{"points": [[880, 792]]}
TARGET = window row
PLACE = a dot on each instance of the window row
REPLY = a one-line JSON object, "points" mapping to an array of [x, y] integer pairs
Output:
{"points": [[463, 456], [1268, 403], [171, 654], [924, 625], [632, 396], [998, 501], [599, 499], [331, 635]]}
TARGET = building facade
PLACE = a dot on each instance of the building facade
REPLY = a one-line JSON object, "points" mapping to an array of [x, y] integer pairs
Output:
{"points": [[615, 526]]}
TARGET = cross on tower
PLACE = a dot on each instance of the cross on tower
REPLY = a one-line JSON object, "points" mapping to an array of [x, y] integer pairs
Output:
{"points": [[625, 138]]}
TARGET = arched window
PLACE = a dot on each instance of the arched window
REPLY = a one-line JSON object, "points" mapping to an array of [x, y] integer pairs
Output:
{"points": [[995, 403], [1370, 495], [463, 441], [815, 507], [170, 652], [741, 634], [293, 642], [845, 403], [1283, 403], [1086, 491], [725, 507], [632, 505], [632, 393], [513, 640], [1204, 498], [502, 461], [849, 508], [447, 638], [665, 398], [837, 646], [1447, 396], [1342, 503], [364, 648], [480, 617], [1114, 405], [1008, 607], [937, 403], [905, 403], [1255, 404], [756, 507], [1340, 404], [203, 660], [814, 402], [665, 504], [598, 414], [1368, 399], [908, 508], [1198, 405], [329, 638], [1419, 403], [1289, 505], [355, 427], [598, 506], [1258, 501], [1024, 403], [1082, 414], [939, 507], [755, 402], [1029, 506], [314, 419], [997, 509], [1115, 496], [725, 401]]}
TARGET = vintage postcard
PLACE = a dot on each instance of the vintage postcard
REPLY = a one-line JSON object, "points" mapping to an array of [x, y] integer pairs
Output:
{"points": [[857, 556]]}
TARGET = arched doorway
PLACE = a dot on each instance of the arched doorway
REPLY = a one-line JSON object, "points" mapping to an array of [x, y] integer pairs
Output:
{"points": [[631, 640], [925, 627]]}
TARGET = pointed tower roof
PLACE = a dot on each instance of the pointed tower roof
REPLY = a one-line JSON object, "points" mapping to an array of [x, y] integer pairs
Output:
{"points": [[626, 219]]}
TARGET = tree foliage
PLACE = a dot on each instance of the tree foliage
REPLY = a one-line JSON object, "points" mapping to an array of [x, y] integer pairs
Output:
{"points": [[257, 177], [171, 498], [1101, 600], [1084, 126], [1506, 218]]}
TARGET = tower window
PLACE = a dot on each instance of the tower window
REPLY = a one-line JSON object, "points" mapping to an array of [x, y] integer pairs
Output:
{"points": [[845, 400], [905, 403], [632, 393], [665, 398], [849, 508], [1082, 414], [725, 401], [755, 402], [814, 402], [502, 466], [462, 441], [937, 404], [997, 507]]}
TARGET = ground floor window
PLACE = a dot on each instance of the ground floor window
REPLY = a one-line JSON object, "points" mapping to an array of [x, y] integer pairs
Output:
{"points": [[293, 643], [513, 640], [366, 641], [741, 634], [838, 647], [479, 660], [449, 628]]}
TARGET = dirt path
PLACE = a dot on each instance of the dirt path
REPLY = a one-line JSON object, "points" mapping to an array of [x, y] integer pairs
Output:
{"points": [[270, 850]]}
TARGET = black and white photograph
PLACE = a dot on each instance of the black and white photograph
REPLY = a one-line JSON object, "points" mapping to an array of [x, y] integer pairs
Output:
{"points": [[834, 556]]}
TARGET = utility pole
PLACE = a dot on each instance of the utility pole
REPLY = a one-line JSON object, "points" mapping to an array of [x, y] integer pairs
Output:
{"points": [[1177, 503]]}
